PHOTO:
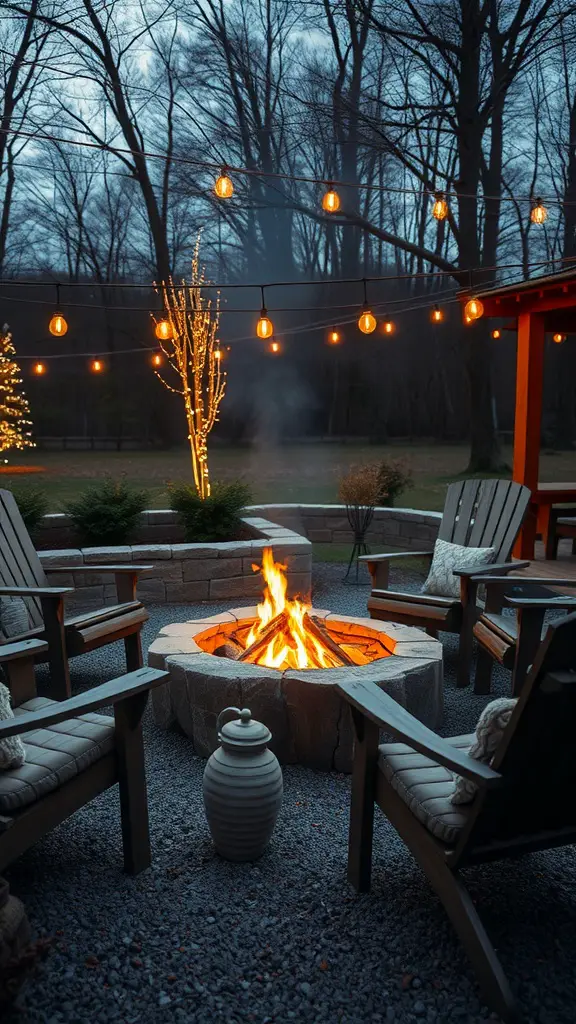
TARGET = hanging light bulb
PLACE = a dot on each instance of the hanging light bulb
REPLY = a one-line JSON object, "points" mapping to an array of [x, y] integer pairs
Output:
{"points": [[558, 338], [58, 325], [496, 333], [223, 185], [366, 320], [388, 327], [163, 330], [96, 366], [264, 327], [39, 369], [473, 309], [436, 314], [440, 209], [331, 199], [538, 213], [157, 359], [334, 337], [274, 347]]}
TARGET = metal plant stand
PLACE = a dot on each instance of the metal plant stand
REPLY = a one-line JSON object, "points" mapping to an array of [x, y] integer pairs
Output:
{"points": [[359, 517]]}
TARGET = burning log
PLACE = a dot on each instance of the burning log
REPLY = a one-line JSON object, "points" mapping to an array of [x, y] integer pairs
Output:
{"points": [[316, 627], [230, 649], [279, 624]]}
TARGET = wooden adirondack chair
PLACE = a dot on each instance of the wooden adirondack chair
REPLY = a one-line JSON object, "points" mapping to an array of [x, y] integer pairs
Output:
{"points": [[523, 801], [72, 755], [477, 514], [22, 575]]}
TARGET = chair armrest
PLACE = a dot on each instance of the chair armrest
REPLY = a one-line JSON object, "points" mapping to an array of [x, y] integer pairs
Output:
{"points": [[541, 602], [487, 570], [108, 693], [521, 581], [126, 568], [22, 649], [385, 556], [49, 592], [385, 712]]}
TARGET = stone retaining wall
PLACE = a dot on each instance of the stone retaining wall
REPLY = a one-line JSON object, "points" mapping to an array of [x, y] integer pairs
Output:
{"points": [[183, 573]]}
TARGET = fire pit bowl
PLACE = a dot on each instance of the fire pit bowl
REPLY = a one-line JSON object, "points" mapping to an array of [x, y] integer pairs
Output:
{"points": [[310, 725]]}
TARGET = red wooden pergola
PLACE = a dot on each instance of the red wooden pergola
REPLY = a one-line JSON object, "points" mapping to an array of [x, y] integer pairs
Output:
{"points": [[543, 305]]}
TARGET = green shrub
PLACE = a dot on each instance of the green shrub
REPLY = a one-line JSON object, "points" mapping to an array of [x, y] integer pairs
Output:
{"points": [[33, 505], [212, 519], [394, 477], [107, 513]]}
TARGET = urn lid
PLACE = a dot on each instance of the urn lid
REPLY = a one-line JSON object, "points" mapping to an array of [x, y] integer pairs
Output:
{"points": [[242, 731]]}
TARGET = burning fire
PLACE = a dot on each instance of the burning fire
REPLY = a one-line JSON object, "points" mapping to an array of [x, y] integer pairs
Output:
{"points": [[290, 639]]}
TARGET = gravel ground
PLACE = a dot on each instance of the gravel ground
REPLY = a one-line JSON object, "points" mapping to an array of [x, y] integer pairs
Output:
{"points": [[286, 939]]}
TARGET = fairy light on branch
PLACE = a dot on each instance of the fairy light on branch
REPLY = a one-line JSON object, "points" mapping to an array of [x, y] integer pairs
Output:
{"points": [[15, 432], [191, 354]]}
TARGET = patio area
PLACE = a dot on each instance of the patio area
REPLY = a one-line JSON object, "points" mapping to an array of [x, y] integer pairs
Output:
{"points": [[285, 939]]}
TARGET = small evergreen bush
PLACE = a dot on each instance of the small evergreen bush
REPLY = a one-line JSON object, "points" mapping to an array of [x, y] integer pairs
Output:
{"points": [[33, 505], [215, 518], [107, 513], [394, 477]]}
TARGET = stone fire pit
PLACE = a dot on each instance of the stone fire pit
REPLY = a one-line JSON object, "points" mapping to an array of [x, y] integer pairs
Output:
{"points": [[310, 724]]}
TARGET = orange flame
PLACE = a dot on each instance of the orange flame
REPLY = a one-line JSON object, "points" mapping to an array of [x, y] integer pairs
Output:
{"points": [[294, 647]]}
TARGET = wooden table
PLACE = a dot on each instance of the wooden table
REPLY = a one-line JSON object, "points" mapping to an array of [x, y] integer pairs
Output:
{"points": [[539, 513]]}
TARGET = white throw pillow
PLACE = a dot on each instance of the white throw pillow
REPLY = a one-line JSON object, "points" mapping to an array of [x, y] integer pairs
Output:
{"points": [[12, 751], [13, 617], [489, 730], [447, 557]]}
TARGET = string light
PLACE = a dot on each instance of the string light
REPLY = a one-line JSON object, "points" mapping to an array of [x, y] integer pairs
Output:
{"points": [[163, 330], [223, 186], [496, 333], [558, 338], [96, 366], [14, 409], [388, 327], [366, 320], [274, 347], [334, 337], [538, 213], [157, 359], [264, 327], [474, 309], [440, 209], [436, 314], [331, 200], [39, 369], [58, 325]]}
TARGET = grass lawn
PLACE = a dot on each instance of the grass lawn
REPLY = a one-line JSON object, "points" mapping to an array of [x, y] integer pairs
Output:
{"points": [[297, 473]]}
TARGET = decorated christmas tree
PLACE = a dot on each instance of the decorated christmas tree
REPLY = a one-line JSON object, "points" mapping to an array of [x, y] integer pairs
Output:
{"points": [[14, 409]]}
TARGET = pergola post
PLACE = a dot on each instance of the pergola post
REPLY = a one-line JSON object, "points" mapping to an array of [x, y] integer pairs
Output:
{"points": [[528, 418]]}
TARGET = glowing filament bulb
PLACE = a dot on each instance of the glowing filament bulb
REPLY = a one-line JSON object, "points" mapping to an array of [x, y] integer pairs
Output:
{"points": [[496, 333], [331, 200], [96, 366], [473, 309], [157, 359], [538, 213], [58, 325], [333, 337], [264, 327], [388, 327], [39, 369], [440, 208], [274, 347], [163, 330], [223, 185], [367, 321], [558, 338], [436, 315]]}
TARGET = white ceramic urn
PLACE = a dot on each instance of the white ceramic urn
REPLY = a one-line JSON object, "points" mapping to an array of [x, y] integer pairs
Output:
{"points": [[242, 787]]}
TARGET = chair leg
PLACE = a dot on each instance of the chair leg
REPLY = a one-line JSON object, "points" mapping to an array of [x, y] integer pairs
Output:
{"points": [[362, 802], [471, 932], [530, 622], [133, 649], [132, 783], [432, 632], [483, 676], [464, 664], [55, 635]]}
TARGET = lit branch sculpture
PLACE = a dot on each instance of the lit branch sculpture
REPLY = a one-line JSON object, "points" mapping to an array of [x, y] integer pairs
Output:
{"points": [[192, 350]]}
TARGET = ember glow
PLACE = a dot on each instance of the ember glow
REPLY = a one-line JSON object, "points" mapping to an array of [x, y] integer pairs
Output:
{"points": [[293, 644]]}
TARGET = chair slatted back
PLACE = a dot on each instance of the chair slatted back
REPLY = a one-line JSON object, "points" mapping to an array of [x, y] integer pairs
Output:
{"points": [[484, 514], [19, 562], [537, 754]]}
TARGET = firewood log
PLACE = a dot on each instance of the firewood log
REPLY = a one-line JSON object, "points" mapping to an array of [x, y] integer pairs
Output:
{"points": [[230, 649], [316, 626], [276, 625]]}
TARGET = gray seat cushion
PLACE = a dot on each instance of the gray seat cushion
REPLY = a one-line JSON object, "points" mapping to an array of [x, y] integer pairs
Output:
{"points": [[426, 787], [54, 755]]}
